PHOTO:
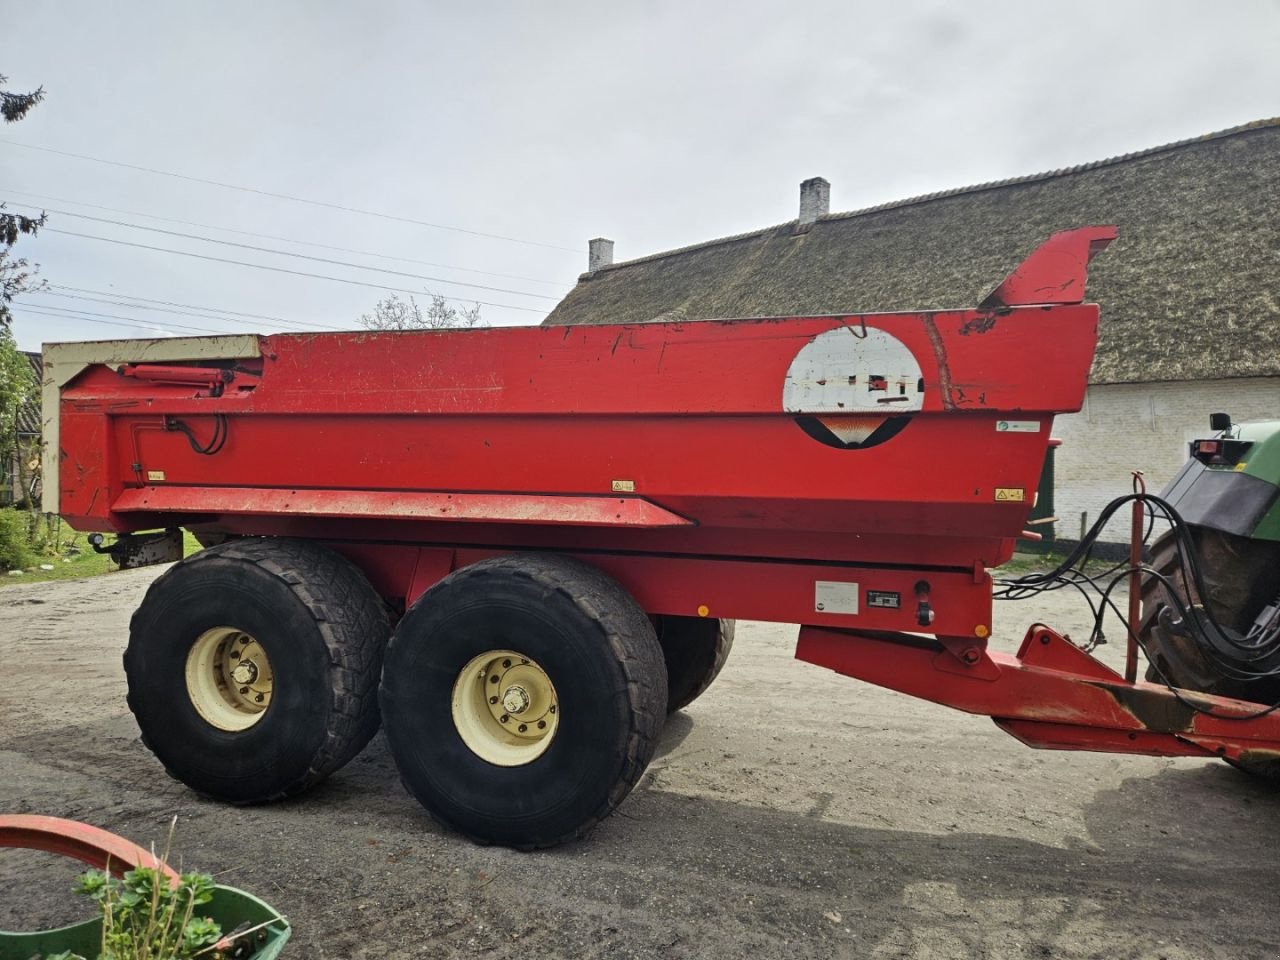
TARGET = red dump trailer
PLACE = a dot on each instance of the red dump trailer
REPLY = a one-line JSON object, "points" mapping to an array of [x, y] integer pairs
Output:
{"points": [[519, 548]]}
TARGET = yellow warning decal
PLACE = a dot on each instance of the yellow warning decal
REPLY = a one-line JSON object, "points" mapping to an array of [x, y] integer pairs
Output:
{"points": [[624, 486], [1010, 495], [155, 475]]}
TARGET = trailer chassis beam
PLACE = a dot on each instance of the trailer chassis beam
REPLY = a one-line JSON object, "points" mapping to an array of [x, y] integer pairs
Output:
{"points": [[1051, 694]]}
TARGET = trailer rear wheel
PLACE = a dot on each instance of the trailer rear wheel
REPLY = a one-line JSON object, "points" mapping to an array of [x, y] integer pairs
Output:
{"points": [[253, 667], [695, 650], [522, 697]]}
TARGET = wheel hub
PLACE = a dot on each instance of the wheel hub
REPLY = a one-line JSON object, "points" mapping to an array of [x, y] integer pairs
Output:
{"points": [[229, 679], [505, 708], [516, 699]]}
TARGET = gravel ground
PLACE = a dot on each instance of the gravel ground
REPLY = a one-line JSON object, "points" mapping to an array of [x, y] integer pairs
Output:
{"points": [[790, 813]]}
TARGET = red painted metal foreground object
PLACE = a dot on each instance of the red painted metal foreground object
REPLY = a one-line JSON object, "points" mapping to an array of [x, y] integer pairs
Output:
{"points": [[856, 474], [79, 841]]}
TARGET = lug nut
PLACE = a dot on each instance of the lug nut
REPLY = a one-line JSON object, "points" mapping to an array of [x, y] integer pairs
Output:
{"points": [[504, 718], [522, 660], [259, 698], [553, 708], [494, 678], [506, 664], [493, 699], [542, 724], [522, 728], [244, 689]]}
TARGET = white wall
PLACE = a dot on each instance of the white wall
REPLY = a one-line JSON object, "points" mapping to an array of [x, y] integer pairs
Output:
{"points": [[1141, 426]]}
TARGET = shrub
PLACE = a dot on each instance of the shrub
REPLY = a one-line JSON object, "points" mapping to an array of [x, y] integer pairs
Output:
{"points": [[15, 548]]}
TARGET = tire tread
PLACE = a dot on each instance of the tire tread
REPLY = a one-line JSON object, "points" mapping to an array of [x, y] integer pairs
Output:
{"points": [[627, 631], [352, 620]]}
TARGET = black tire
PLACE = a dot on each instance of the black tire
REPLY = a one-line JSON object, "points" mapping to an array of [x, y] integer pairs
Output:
{"points": [[322, 626], [695, 650], [599, 650], [1240, 576]]}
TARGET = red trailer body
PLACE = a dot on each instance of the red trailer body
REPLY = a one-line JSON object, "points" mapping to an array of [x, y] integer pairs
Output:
{"points": [[856, 474]]}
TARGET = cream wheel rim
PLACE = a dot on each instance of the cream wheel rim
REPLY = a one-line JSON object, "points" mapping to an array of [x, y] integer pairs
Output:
{"points": [[229, 679], [505, 708]]}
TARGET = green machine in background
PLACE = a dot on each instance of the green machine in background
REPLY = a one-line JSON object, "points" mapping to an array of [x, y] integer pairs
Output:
{"points": [[1228, 495]]}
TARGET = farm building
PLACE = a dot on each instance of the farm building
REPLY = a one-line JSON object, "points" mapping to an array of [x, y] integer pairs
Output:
{"points": [[1190, 293]]}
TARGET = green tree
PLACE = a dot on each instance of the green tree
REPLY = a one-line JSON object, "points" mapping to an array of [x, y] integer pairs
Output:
{"points": [[17, 383], [396, 314], [16, 274], [17, 386]]}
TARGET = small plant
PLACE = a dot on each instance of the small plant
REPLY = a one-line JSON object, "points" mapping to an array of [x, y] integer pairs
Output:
{"points": [[145, 918]]}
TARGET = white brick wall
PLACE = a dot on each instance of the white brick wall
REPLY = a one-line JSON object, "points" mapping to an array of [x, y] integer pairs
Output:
{"points": [[1141, 426]]}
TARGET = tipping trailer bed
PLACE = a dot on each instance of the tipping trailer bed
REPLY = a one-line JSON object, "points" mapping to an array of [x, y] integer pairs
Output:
{"points": [[856, 474]]}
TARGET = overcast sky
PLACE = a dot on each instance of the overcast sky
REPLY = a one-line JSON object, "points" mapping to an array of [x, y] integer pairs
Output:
{"points": [[656, 124]]}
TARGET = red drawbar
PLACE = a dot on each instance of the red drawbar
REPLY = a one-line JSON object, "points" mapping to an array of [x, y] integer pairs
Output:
{"points": [[1051, 694]]}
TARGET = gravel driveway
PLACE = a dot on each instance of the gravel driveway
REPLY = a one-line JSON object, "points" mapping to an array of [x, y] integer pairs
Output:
{"points": [[790, 813]]}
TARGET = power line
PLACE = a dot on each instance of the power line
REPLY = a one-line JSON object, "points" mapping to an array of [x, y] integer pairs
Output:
{"points": [[123, 322], [269, 236], [172, 303], [287, 253], [116, 316], [263, 266], [207, 314], [285, 196]]}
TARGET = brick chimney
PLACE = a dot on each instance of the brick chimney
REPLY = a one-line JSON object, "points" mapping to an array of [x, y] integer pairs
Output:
{"points": [[815, 200], [599, 254]]}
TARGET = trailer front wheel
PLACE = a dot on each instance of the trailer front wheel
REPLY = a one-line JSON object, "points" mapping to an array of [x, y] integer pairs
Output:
{"points": [[253, 667], [522, 697]]}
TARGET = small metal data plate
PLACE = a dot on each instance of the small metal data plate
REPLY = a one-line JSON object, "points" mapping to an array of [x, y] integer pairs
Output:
{"points": [[884, 599], [830, 596]]}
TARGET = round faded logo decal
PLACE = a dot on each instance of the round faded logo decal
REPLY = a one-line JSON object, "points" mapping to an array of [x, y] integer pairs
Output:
{"points": [[853, 387]]}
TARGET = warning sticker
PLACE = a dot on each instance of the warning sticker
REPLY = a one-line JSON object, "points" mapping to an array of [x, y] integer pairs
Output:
{"points": [[1010, 495], [830, 596]]}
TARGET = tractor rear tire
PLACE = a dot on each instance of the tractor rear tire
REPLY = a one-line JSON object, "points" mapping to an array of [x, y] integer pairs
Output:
{"points": [[522, 698], [1240, 577], [695, 650], [253, 667]]}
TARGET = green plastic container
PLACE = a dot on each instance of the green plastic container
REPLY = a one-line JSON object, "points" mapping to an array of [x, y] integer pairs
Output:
{"points": [[229, 907]]}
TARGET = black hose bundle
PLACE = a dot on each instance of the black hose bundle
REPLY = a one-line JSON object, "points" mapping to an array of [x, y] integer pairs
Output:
{"points": [[216, 441], [1253, 655]]}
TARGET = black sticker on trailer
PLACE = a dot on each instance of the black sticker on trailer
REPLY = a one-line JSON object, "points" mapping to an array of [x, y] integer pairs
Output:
{"points": [[884, 599]]}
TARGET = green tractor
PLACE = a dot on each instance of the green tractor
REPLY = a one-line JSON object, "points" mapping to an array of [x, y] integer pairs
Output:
{"points": [[1216, 629]]}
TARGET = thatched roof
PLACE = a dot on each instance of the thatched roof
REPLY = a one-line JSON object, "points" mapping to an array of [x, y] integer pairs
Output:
{"points": [[28, 418], [1191, 289]]}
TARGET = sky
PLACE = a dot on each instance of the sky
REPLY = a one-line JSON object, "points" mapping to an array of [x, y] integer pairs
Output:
{"points": [[471, 149]]}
